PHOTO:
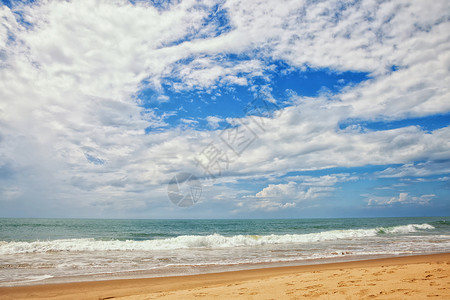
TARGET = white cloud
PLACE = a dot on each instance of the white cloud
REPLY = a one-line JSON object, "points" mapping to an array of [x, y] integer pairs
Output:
{"points": [[213, 121], [189, 121], [285, 195], [307, 137], [402, 198], [69, 80], [366, 36], [306, 187], [209, 72], [163, 98], [268, 205], [416, 170], [279, 190]]}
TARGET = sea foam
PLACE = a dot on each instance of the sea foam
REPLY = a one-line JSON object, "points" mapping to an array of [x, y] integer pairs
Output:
{"points": [[214, 241]]}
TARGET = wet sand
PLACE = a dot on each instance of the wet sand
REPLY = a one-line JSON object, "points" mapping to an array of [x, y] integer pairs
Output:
{"points": [[412, 277]]}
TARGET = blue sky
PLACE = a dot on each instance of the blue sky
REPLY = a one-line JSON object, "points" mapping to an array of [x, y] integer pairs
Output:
{"points": [[299, 109]]}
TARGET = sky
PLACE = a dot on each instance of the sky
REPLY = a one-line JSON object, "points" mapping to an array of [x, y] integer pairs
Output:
{"points": [[278, 109]]}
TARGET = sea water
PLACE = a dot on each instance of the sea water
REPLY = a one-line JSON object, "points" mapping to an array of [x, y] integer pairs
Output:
{"points": [[60, 250]]}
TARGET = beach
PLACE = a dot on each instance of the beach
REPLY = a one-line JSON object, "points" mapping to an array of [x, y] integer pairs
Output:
{"points": [[224, 149], [412, 277], [54, 251], [160, 149]]}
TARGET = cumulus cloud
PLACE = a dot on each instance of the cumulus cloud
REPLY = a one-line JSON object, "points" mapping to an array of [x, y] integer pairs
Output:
{"points": [[308, 188], [279, 190], [213, 121], [206, 73], [72, 125], [286, 195], [308, 137], [366, 36]]}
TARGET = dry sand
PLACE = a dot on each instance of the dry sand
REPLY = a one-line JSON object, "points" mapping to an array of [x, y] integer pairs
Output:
{"points": [[413, 277]]}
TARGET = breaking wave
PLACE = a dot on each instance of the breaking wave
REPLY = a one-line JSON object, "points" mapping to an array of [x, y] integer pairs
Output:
{"points": [[213, 241]]}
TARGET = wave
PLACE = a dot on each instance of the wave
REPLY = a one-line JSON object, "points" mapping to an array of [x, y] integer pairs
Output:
{"points": [[405, 228], [213, 241]]}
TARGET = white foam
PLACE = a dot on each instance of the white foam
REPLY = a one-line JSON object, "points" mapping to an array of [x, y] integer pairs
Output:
{"points": [[213, 241], [408, 228], [37, 278]]}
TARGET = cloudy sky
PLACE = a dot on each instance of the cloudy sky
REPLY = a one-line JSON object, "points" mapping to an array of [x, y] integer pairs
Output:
{"points": [[279, 108]]}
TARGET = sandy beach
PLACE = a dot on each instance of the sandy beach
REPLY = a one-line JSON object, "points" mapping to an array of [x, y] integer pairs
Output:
{"points": [[412, 277]]}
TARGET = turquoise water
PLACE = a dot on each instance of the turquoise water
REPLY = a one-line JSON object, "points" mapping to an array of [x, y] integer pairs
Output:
{"points": [[101, 229], [55, 250]]}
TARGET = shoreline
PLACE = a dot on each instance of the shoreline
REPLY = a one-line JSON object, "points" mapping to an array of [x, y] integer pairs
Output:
{"points": [[202, 270], [434, 268]]}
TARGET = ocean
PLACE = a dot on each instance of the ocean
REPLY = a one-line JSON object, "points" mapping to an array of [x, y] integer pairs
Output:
{"points": [[34, 251]]}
